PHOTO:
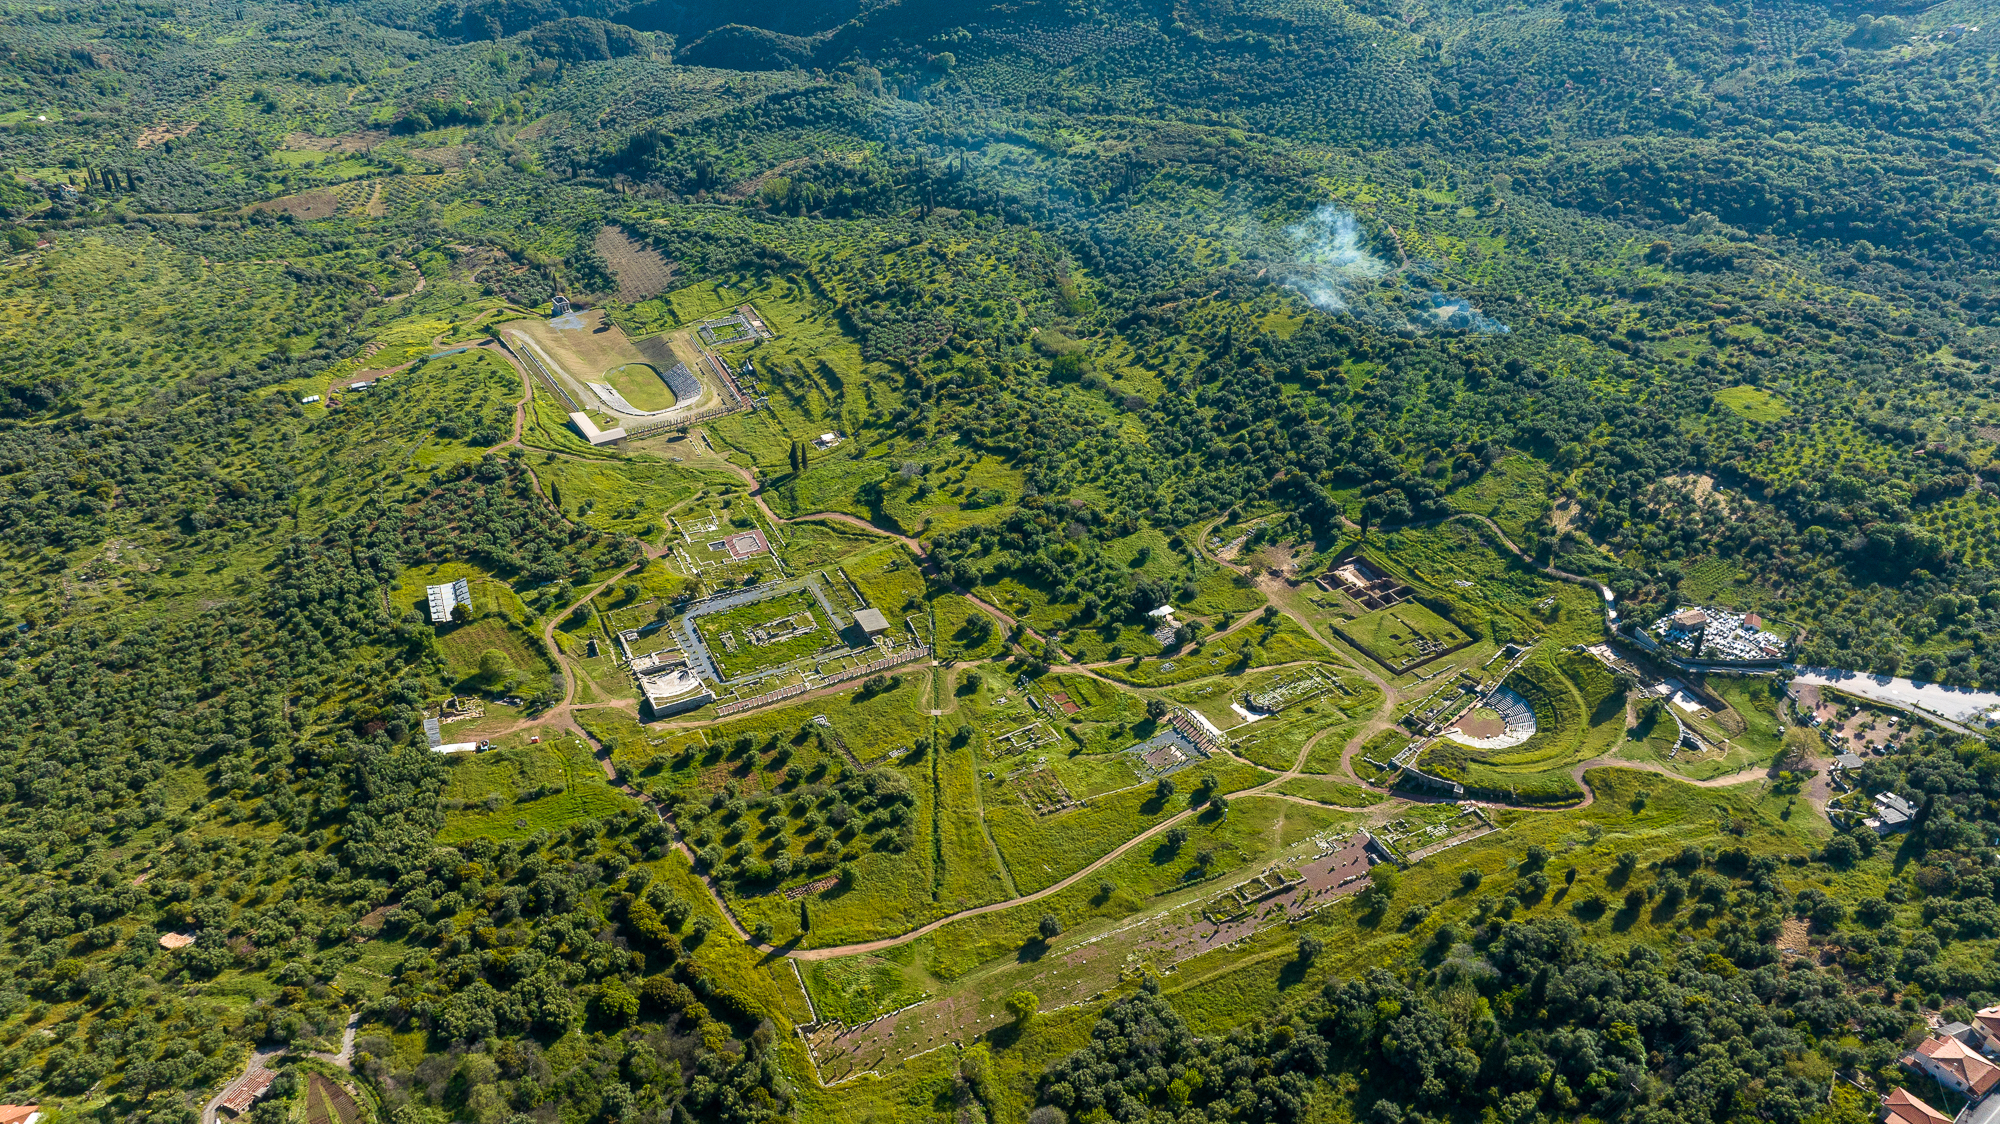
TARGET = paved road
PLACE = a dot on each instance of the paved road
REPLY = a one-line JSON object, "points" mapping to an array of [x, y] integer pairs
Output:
{"points": [[1961, 706]]}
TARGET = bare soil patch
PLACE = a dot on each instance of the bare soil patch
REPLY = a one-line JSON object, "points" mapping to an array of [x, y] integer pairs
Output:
{"points": [[328, 1103], [449, 157], [346, 142], [372, 920], [319, 203], [160, 134], [1482, 724], [641, 270]]}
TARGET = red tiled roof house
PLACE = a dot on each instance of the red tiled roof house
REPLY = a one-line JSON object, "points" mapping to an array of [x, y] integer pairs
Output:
{"points": [[1955, 1065], [1900, 1107]]}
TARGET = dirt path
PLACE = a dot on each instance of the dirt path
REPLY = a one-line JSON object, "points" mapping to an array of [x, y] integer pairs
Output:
{"points": [[680, 844], [928, 565], [1754, 773], [1603, 591], [259, 1063], [1201, 545], [1265, 789], [836, 951], [345, 1058], [1384, 715], [412, 292]]}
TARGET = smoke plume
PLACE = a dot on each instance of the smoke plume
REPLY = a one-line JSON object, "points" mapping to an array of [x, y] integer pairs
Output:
{"points": [[1327, 261]]}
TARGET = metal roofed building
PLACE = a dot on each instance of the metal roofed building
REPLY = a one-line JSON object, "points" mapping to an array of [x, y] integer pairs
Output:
{"points": [[1892, 814], [444, 598]]}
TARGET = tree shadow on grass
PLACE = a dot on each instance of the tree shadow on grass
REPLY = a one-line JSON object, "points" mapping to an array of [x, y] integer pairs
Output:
{"points": [[1292, 974], [780, 951], [1006, 1034], [1033, 951]]}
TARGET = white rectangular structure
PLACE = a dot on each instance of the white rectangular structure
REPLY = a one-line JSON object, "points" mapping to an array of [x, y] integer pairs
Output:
{"points": [[593, 434], [444, 598]]}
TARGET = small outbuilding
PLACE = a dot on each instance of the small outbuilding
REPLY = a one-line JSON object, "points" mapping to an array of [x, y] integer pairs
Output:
{"points": [[592, 434], [446, 597], [872, 622]]}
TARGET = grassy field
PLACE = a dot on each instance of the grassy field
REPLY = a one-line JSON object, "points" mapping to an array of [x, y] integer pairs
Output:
{"points": [[1746, 733], [1402, 636], [547, 427], [1275, 741], [1042, 850], [519, 789], [1513, 493], [641, 385], [630, 496], [666, 758], [1253, 646], [1215, 991], [462, 644], [960, 635], [1203, 592], [1458, 564], [1756, 707], [1331, 792], [1010, 735], [889, 577], [979, 957], [1752, 402], [1579, 714], [814, 372], [948, 866], [755, 637], [932, 862]]}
